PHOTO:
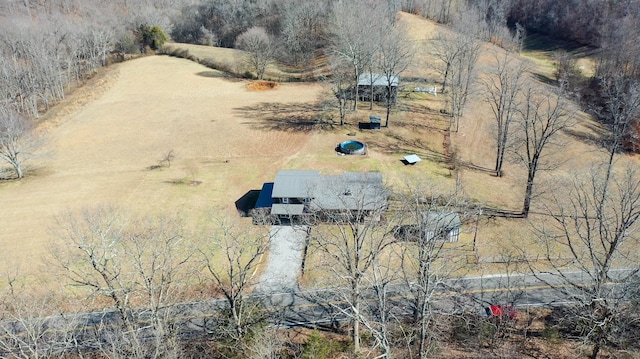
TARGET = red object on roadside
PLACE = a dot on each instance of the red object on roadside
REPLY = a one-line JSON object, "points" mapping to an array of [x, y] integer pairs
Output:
{"points": [[502, 311]]}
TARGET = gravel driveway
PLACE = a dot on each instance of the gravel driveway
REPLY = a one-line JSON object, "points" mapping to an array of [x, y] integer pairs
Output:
{"points": [[285, 259]]}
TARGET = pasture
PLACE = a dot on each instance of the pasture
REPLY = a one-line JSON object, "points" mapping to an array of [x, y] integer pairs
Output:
{"points": [[227, 140], [105, 141]]}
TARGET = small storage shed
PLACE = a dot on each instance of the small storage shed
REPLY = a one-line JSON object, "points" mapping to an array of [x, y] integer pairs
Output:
{"points": [[436, 225], [412, 159], [441, 225], [376, 86], [374, 122]]}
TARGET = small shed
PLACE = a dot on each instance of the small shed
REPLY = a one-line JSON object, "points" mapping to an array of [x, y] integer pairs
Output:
{"points": [[436, 225], [377, 86], [412, 159], [441, 225], [373, 124]]}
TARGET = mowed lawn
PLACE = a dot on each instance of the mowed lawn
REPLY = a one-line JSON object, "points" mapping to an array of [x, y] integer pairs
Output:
{"points": [[227, 139]]}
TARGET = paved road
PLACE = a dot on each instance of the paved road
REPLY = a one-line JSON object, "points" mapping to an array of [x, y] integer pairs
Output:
{"points": [[285, 259], [318, 307]]}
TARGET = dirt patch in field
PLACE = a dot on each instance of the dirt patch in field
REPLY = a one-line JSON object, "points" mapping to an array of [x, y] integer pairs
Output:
{"points": [[262, 85]]}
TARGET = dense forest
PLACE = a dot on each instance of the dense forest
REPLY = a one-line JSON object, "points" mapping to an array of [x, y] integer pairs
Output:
{"points": [[49, 45]]}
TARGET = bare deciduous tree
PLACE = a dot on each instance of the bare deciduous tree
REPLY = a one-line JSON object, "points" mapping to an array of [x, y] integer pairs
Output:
{"points": [[340, 84], [457, 54], [395, 55], [462, 77], [232, 261], [542, 117], [352, 241], [621, 97], [590, 253], [445, 51], [28, 329], [260, 49], [422, 224], [503, 86], [139, 265], [17, 139], [380, 316], [352, 27]]}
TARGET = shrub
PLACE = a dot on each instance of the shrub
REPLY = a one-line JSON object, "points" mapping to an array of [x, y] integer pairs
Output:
{"points": [[551, 334], [151, 36], [319, 347]]}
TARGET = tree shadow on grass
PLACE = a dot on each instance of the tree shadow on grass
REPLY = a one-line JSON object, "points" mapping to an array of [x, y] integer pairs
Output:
{"points": [[288, 117], [545, 79], [475, 167], [435, 120], [596, 134], [402, 146]]}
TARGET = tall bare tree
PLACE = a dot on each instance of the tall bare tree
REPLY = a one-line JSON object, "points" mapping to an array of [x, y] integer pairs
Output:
{"points": [[621, 107], [380, 315], [352, 28], [17, 139], [139, 265], [231, 262], [446, 50], [590, 253], [542, 117], [462, 77], [503, 86], [340, 83], [352, 241], [28, 329], [260, 49], [422, 224], [395, 55]]}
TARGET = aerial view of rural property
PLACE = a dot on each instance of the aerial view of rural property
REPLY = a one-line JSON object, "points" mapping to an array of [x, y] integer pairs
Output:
{"points": [[319, 179]]}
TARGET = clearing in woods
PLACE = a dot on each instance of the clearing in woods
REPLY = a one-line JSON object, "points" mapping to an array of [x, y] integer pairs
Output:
{"points": [[228, 140]]}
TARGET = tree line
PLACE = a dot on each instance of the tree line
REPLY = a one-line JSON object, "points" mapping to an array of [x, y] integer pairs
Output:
{"points": [[49, 48]]}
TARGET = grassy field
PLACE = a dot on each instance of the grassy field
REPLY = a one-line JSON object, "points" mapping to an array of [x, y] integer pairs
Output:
{"points": [[103, 142], [105, 139]]}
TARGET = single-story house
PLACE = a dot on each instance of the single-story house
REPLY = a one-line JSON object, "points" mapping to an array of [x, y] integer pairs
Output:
{"points": [[377, 85], [300, 193]]}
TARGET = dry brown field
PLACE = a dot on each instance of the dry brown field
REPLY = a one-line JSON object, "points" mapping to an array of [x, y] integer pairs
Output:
{"points": [[104, 138]]}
